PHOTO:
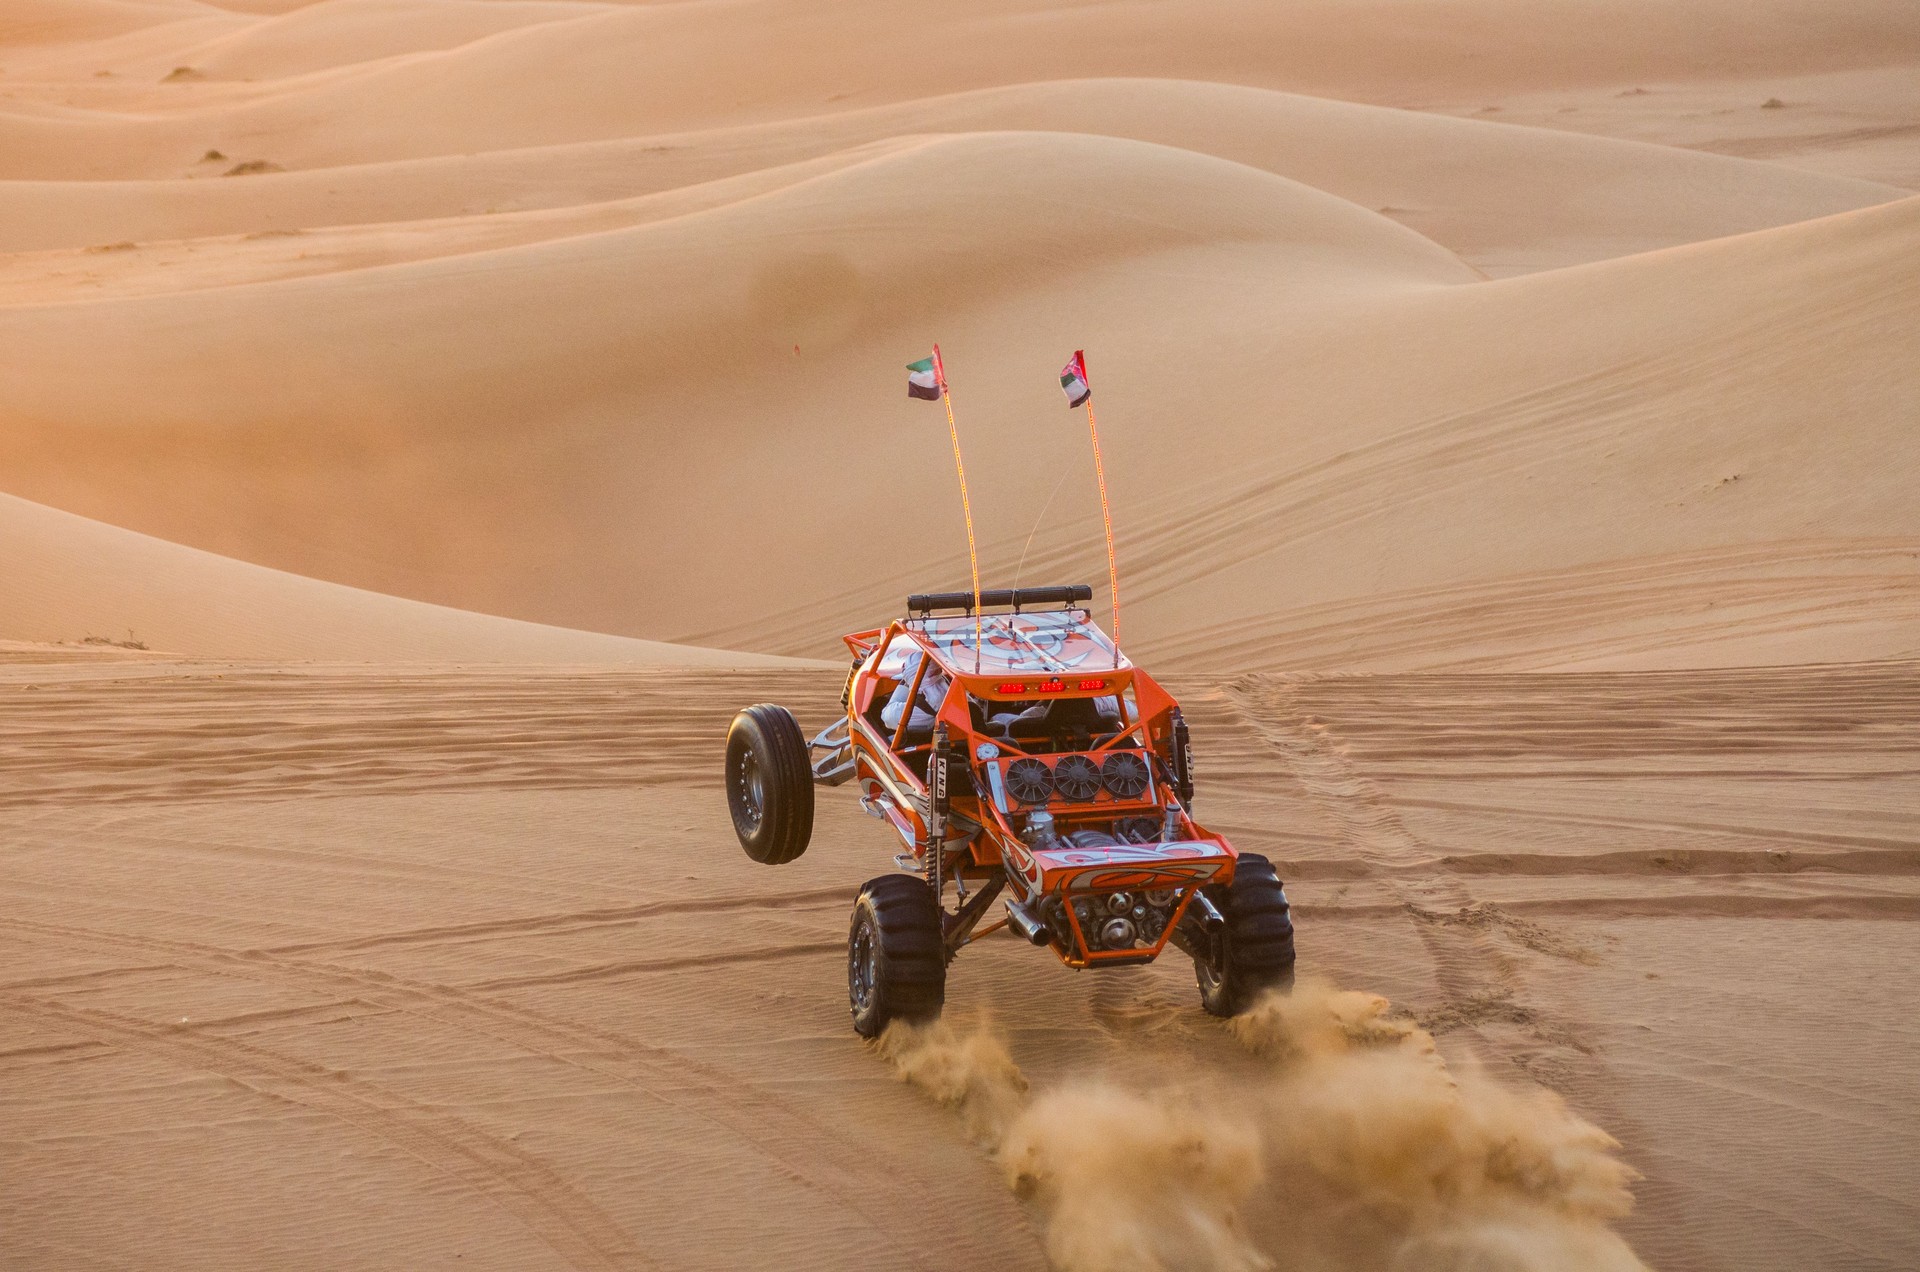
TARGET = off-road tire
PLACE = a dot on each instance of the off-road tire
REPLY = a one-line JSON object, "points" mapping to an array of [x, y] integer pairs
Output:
{"points": [[769, 784], [1257, 946], [896, 954]]}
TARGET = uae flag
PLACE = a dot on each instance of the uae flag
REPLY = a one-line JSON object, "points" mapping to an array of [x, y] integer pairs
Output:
{"points": [[923, 381], [1073, 380]]}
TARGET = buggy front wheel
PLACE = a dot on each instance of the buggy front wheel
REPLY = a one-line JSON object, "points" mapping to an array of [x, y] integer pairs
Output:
{"points": [[896, 955], [1256, 949]]}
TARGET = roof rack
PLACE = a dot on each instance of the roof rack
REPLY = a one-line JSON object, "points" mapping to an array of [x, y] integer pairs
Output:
{"points": [[1016, 597]]}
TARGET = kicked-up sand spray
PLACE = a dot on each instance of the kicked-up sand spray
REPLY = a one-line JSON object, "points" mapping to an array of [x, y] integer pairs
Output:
{"points": [[1356, 1149]]}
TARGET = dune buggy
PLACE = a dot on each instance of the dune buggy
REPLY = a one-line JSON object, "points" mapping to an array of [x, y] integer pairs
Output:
{"points": [[1014, 750]]}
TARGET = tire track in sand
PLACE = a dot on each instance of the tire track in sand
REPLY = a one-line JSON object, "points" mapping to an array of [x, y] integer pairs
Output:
{"points": [[1469, 968], [1480, 984], [540, 1198], [811, 1154], [180, 730], [572, 921]]}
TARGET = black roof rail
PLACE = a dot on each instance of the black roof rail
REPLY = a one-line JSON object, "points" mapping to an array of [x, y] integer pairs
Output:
{"points": [[1017, 598]]}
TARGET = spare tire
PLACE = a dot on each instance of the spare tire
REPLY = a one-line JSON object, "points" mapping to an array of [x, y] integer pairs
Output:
{"points": [[769, 784]]}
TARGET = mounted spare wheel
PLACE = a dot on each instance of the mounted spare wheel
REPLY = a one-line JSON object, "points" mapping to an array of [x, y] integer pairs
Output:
{"points": [[769, 784]]}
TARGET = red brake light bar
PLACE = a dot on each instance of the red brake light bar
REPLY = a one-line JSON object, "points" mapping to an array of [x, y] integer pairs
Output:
{"points": [[1055, 685]]}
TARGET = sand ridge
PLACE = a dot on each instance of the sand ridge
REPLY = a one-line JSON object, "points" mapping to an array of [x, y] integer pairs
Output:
{"points": [[68, 579]]}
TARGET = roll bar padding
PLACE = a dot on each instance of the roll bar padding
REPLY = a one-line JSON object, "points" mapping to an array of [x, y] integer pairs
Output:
{"points": [[995, 598]]}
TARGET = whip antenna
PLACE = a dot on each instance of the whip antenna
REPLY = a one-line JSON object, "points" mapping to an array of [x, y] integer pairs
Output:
{"points": [[1020, 570], [1073, 382]]}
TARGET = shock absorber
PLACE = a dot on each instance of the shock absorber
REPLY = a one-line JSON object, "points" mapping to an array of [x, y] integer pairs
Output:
{"points": [[938, 802], [1182, 759]]}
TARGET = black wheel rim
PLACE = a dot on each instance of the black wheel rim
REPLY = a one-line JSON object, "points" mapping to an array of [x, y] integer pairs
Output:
{"points": [[749, 789], [860, 968]]}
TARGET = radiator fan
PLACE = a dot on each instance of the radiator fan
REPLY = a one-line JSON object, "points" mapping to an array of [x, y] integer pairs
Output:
{"points": [[1077, 778], [1125, 775], [1029, 781]]}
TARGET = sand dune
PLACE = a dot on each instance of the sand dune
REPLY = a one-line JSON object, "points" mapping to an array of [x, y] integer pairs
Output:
{"points": [[30, 23], [1508, 394], [68, 579], [317, 37], [469, 404], [1857, 123], [1500, 196], [612, 350], [524, 379], [882, 51], [1634, 400], [577, 277]]}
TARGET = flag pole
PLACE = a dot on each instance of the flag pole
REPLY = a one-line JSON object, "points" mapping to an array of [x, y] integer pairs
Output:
{"points": [[966, 503], [1106, 517]]}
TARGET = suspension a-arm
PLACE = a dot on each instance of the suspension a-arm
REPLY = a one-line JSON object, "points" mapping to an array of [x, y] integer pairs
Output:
{"points": [[959, 927]]}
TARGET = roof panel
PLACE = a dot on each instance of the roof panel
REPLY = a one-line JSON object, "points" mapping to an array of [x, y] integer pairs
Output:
{"points": [[1057, 642]]}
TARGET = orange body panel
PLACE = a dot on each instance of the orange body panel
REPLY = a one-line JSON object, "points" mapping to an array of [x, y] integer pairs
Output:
{"points": [[1019, 662]]}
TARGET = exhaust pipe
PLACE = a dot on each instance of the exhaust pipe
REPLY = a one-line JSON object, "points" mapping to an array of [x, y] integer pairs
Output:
{"points": [[1022, 920], [1211, 920]]}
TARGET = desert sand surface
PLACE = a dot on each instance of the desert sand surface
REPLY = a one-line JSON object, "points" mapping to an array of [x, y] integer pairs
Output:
{"points": [[363, 967], [423, 423]]}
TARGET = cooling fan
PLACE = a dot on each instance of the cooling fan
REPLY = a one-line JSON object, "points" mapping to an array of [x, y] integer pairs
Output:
{"points": [[1029, 781], [1077, 778], [1125, 775]]}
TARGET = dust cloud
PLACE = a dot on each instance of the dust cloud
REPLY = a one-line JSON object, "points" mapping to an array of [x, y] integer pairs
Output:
{"points": [[1355, 1147], [1137, 1181], [972, 1073]]}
